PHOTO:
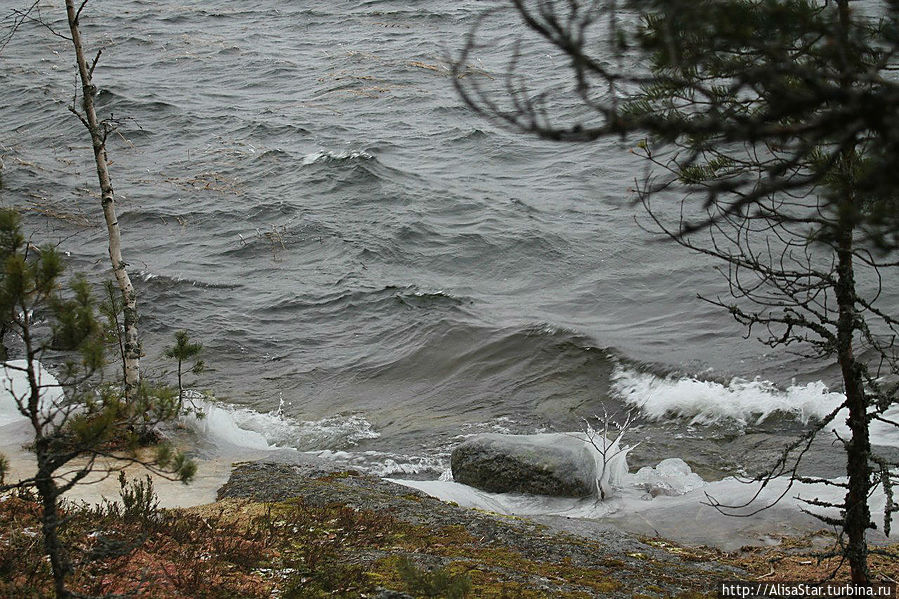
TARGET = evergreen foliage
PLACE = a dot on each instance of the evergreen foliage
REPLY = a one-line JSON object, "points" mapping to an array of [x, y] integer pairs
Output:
{"points": [[83, 418], [433, 583], [183, 351]]}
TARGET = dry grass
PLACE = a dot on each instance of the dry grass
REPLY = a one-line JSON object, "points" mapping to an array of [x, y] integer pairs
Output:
{"points": [[159, 554], [804, 558], [293, 549]]}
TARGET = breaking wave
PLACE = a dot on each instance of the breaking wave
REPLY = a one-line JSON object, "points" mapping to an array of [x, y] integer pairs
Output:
{"points": [[322, 157], [241, 427], [707, 402], [740, 401]]}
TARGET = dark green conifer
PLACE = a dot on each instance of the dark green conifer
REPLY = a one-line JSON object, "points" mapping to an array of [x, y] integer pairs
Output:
{"points": [[81, 418], [183, 351]]}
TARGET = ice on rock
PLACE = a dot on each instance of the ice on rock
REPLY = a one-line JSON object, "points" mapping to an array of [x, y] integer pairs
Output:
{"points": [[553, 464], [15, 385], [610, 471], [670, 477]]}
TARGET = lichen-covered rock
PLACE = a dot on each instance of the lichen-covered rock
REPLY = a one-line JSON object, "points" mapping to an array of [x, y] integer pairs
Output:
{"points": [[547, 464], [556, 557]]}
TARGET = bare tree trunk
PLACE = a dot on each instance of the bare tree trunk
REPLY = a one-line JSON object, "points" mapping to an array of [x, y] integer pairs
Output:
{"points": [[132, 352], [50, 521], [858, 448], [857, 517]]}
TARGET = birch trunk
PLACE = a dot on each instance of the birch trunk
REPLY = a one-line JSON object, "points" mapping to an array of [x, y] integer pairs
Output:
{"points": [[132, 352]]}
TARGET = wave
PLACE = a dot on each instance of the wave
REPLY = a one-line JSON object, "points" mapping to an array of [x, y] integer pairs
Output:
{"points": [[476, 135], [245, 428], [380, 463], [122, 104], [543, 373], [275, 155], [707, 402], [170, 281], [740, 401], [367, 300], [325, 157], [336, 173], [333, 438], [334, 432]]}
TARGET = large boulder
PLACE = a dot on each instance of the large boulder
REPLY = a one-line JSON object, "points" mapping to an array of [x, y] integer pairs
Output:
{"points": [[547, 464]]}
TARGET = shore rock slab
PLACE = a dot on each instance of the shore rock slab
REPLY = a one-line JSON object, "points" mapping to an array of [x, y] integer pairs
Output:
{"points": [[554, 464], [514, 557]]}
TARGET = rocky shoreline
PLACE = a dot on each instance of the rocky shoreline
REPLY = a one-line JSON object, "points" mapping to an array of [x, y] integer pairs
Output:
{"points": [[539, 559], [296, 526], [519, 557]]}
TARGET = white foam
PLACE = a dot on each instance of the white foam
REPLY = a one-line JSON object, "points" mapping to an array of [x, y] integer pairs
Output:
{"points": [[218, 424], [384, 464], [503, 425], [740, 401], [324, 156], [401, 465], [341, 431], [241, 427], [706, 402]]}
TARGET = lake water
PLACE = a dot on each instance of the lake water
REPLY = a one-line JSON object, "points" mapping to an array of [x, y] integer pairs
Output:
{"points": [[374, 270]]}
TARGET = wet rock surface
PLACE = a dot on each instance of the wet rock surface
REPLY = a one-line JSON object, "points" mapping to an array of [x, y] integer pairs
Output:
{"points": [[553, 464]]}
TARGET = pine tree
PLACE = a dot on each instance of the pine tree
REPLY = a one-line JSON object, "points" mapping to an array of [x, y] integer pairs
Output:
{"points": [[80, 418], [183, 351]]}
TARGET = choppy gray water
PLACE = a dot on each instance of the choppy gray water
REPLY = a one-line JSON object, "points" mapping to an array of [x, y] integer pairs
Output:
{"points": [[303, 190]]}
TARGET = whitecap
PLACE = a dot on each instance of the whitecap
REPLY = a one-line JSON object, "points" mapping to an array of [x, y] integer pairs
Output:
{"points": [[707, 402], [741, 401], [243, 427], [326, 156]]}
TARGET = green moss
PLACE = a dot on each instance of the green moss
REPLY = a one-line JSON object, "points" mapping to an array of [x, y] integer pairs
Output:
{"points": [[437, 582], [338, 475]]}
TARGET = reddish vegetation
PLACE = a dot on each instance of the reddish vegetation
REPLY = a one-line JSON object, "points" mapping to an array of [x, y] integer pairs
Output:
{"points": [[291, 549], [159, 555]]}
